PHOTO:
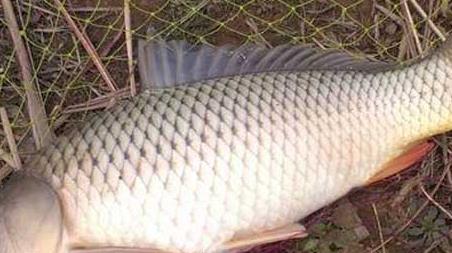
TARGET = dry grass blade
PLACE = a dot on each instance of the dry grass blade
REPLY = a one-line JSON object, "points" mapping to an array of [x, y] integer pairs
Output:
{"points": [[389, 14], [380, 233], [42, 133], [435, 244], [105, 50], [88, 46], [128, 31], [6, 158], [444, 210], [412, 27], [97, 9], [10, 138], [250, 22], [99, 102], [5, 171], [429, 21]]}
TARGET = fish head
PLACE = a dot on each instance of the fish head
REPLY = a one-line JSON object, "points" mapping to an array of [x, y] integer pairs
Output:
{"points": [[30, 217]]}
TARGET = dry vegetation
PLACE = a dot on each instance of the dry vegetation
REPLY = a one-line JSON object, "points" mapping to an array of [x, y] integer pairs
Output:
{"points": [[82, 64]]}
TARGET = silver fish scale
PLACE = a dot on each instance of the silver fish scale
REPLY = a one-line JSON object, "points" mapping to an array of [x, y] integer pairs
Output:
{"points": [[187, 168]]}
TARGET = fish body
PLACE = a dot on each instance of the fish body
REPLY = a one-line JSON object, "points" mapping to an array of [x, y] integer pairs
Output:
{"points": [[187, 168]]}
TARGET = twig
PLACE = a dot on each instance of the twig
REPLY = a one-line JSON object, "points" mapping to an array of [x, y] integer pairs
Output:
{"points": [[380, 233], [10, 138], [88, 46], [4, 171], [449, 178], [435, 244], [429, 21], [105, 50], [42, 133], [36, 7], [50, 30], [435, 202], [376, 27], [250, 22], [411, 26], [6, 158], [96, 9], [446, 151], [427, 32], [99, 102], [403, 47], [319, 44], [128, 31], [389, 14], [418, 212]]}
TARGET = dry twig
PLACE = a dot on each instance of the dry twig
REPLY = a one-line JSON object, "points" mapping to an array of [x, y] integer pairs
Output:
{"points": [[96, 9], [88, 47], [42, 133], [435, 244], [128, 31], [435, 202], [429, 21], [10, 138], [250, 22], [99, 102], [389, 14], [6, 158], [105, 50], [412, 27], [5, 171], [380, 233]]}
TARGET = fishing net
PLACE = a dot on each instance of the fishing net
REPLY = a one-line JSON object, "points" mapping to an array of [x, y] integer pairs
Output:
{"points": [[70, 84]]}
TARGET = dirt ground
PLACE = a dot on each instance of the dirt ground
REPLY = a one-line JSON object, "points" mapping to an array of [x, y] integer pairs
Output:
{"points": [[397, 209]]}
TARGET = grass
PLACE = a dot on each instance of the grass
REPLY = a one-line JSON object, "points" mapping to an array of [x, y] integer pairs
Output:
{"points": [[412, 210]]}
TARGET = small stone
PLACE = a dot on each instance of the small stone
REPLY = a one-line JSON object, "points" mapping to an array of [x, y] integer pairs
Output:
{"points": [[361, 232]]}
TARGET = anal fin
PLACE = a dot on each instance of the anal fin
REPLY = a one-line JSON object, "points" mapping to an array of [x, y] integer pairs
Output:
{"points": [[241, 244], [411, 156]]}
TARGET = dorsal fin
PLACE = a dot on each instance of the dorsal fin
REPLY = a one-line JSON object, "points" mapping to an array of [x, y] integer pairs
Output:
{"points": [[163, 64]]}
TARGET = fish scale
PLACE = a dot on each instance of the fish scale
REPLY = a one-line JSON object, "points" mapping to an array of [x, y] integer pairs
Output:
{"points": [[187, 168]]}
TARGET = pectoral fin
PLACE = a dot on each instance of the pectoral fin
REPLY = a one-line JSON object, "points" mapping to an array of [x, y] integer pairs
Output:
{"points": [[241, 244], [413, 155]]}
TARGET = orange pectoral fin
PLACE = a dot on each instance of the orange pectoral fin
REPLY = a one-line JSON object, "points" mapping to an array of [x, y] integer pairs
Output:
{"points": [[411, 156]]}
